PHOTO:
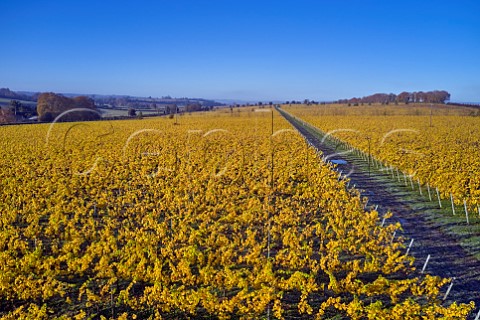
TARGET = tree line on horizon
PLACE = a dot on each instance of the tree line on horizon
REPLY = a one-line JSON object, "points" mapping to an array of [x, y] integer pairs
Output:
{"points": [[436, 96]]}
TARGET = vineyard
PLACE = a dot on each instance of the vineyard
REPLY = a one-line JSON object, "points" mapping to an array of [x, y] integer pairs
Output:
{"points": [[216, 215], [438, 146]]}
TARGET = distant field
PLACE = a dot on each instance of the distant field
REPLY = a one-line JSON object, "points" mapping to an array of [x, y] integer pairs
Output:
{"points": [[122, 112], [5, 101]]}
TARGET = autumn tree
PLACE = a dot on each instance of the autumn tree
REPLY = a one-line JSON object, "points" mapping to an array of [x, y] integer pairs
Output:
{"points": [[51, 105], [15, 105], [22, 110], [404, 97], [6, 115], [193, 107], [132, 112]]}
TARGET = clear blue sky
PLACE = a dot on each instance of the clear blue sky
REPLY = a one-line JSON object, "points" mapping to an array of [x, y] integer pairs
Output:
{"points": [[248, 50]]}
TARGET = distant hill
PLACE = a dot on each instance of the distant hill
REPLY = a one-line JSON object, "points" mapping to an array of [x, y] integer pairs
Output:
{"points": [[115, 101], [6, 93]]}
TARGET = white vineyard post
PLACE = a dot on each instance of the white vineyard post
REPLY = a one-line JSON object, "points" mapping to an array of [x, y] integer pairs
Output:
{"points": [[419, 187], [453, 206], [411, 183], [405, 178], [448, 290], [466, 210], [383, 221], [409, 247], [438, 197], [393, 237], [426, 263], [429, 194], [478, 315]]}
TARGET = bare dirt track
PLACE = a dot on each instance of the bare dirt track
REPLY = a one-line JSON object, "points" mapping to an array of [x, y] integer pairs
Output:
{"points": [[447, 257]]}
